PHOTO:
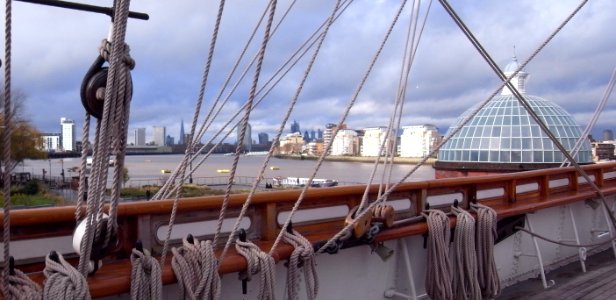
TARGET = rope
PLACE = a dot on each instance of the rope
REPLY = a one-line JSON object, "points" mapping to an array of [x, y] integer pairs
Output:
{"points": [[245, 118], [438, 272], [301, 257], [85, 145], [145, 278], [22, 287], [62, 281], [486, 234], [465, 281], [563, 243], [6, 143], [261, 263], [195, 267]]}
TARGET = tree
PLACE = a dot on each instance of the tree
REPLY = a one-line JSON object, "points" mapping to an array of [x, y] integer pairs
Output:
{"points": [[125, 176], [26, 142]]}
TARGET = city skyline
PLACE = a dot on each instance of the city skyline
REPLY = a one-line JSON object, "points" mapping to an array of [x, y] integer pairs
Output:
{"points": [[437, 93]]}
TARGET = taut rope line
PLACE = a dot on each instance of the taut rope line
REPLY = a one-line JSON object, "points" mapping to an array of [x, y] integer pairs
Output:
{"points": [[6, 144]]}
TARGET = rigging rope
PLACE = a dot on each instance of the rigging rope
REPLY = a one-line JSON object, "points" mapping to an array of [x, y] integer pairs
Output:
{"points": [[486, 234], [6, 146], [196, 269], [465, 281], [146, 281], [261, 263], [301, 257], [438, 270], [63, 281]]}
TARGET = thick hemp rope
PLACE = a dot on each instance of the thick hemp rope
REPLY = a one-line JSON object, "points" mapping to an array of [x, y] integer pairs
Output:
{"points": [[486, 234], [145, 276], [6, 145], [22, 287], [261, 263], [302, 257], [438, 272], [464, 263], [63, 281], [196, 269]]}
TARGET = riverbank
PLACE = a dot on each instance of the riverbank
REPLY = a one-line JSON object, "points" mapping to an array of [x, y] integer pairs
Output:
{"points": [[362, 159]]}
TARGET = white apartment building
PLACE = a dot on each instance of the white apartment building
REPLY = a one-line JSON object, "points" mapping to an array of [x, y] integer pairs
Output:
{"points": [[346, 142], [372, 141], [68, 134], [418, 140], [159, 136], [51, 142]]}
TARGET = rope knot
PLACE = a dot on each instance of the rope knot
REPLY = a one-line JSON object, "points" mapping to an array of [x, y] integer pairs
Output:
{"points": [[258, 262], [63, 281], [196, 268], [302, 257], [105, 53]]}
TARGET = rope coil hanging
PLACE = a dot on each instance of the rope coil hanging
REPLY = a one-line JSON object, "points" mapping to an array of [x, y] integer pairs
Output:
{"points": [[301, 257], [438, 271], [486, 235], [22, 287], [465, 282], [261, 263], [63, 281], [146, 280], [196, 269]]}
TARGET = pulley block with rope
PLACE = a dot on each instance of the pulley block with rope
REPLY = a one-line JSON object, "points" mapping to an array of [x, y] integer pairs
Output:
{"points": [[100, 247]]}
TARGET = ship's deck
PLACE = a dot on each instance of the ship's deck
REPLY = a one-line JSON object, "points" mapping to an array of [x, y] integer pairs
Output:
{"points": [[597, 283]]}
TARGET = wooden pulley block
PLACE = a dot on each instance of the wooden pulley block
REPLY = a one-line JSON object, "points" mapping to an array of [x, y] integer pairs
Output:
{"points": [[385, 214], [361, 225], [94, 99]]}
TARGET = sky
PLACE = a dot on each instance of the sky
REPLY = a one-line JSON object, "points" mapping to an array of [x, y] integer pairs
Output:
{"points": [[54, 47]]}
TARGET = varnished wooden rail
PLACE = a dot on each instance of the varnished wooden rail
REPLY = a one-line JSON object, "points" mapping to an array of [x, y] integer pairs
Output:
{"points": [[140, 220]]}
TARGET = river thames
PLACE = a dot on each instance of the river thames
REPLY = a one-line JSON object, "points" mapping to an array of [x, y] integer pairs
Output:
{"points": [[145, 168]]}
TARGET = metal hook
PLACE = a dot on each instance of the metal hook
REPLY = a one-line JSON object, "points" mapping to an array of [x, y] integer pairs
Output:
{"points": [[139, 246], [242, 235], [53, 255], [190, 238], [11, 265], [456, 203], [427, 206], [290, 227]]}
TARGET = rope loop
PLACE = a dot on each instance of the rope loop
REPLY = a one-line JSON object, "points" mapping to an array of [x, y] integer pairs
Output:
{"points": [[22, 287], [196, 269], [301, 257], [146, 280], [63, 281], [465, 282], [105, 53], [438, 273], [258, 262], [486, 235]]}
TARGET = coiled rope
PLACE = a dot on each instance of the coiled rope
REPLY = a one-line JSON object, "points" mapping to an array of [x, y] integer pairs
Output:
{"points": [[145, 277], [438, 273], [486, 234], [260, 263], [22, 287], [195, 267], [63, 281], [465, 282], [302, 257]]}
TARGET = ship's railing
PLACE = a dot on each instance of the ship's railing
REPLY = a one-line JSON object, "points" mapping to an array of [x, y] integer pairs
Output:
{"points": [[321, 214]]}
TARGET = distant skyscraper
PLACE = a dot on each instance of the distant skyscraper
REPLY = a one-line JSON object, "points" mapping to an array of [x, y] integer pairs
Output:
{"points": [[160, 133], [247, 137], [182, 139], [319, 134], [313, 135], [68, 134], [169, 140], [140, 137], [608, 135], [263, 138], [306, 136], [295, 127]]}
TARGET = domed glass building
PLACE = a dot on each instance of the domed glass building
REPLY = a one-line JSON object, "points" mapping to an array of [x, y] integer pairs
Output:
{"points": [[503, 137]]}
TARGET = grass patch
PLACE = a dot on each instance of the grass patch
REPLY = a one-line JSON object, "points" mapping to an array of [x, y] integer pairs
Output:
{"points": [[32, 200], [188, 190]]}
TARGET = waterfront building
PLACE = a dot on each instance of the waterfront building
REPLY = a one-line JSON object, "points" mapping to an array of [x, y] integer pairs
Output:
{"points": [[263, 138], [160, 133], [139, 137], [314, 148], [418, 140], [608, 135], [602, 151], [169, 140], [502, 137], [295, 127], [346, 142], [247, 142], [182, 138], [291, 144], [372, 140], [51, 142], [68, 134]]}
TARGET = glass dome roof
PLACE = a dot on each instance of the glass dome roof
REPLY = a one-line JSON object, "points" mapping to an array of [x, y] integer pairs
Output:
{"points": [[503, 132]]}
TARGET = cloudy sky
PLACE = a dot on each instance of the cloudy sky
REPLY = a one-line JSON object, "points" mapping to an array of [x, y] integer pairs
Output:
{"points": [[53, 48]]}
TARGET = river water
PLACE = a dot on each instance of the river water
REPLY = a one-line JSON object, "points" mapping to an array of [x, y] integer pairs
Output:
{"points": [[144, 168]]}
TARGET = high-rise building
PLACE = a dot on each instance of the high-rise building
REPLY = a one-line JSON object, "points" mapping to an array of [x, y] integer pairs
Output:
{"points": [[418, 140], [295, 127], [160, 133], [169, 140], [306, 136], [182, 139], [608, 135], [139, 136], [346, 142], [319, 134], [263, 138], [372, 141], [247, 143], [313, 135], [68, 134]]}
